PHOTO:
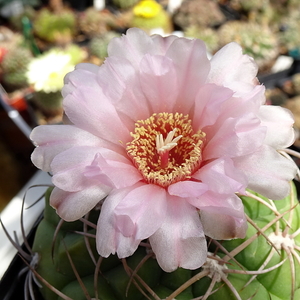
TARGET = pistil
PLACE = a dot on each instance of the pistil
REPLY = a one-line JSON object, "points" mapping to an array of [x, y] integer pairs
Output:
{"points": [[163, 147]]}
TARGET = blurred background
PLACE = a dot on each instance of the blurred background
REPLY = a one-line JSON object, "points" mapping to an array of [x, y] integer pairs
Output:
{"points": [[41, 41]]}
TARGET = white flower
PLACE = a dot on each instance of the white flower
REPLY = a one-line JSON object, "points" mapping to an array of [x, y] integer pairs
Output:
{"points": [[46, 72]]}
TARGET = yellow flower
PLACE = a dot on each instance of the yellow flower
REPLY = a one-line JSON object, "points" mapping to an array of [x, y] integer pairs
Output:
{"points": [[147, 9]]}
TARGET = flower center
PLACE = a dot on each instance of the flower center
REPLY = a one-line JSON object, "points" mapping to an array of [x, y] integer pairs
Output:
{"points": [[165, 148]]}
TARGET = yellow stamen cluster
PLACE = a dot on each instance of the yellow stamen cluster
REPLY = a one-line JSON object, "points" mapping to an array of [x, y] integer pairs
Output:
{"points": [[165, 148]]}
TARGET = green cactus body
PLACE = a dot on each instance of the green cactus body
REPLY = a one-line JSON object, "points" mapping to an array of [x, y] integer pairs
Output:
{"points": [[290, 37], [98, 45], [50, 103], [124, 4], [15, 65], [203, 13], [249, 268], [206, 34], [94, 23], [55, 27]]}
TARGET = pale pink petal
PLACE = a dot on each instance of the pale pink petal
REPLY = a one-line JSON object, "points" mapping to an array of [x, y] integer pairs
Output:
{"points": [[126, 93], [232, 69], [236, 107], [159, 82], [90, 110], [109, 239], [222, 176], [79, 77], [209, 105], [192, 67], [135, 214], [268, 172], [229, 205], [218, 225], [117, 168], [73, 206], [162, 44], [180, 241], [77, 167], [234, 137], [185, 189], [68, 168], [53, 139], [132, 46], [279, 121]]}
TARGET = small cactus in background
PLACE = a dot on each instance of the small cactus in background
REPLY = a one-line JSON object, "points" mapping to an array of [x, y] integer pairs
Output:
{"points": [[257, 41], [94, 23], [208, 35], [149, 15], [53, 27], [9, 39], [98, 45], [14, 67], [16, 20], [46, 73], [124, 4], [289, 37], [201, 13]]}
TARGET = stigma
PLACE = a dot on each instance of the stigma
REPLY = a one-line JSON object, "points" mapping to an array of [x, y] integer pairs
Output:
{"points": [[164, 146]]}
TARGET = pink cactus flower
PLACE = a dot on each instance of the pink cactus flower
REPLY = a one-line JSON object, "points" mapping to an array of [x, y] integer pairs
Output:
{"points": [[169, 137]]}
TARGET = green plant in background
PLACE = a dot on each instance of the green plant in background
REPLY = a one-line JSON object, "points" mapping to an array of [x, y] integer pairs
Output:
{"points": [[94, 23], [16, 20], [208, 35], [257, 41], [201, 13], [289, 37], [77, 54], [14, 67], [57, 27], [124, 4], [98, 45]]}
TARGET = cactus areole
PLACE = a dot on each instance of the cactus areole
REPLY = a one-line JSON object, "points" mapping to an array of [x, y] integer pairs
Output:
{"points": [[168, 138]]}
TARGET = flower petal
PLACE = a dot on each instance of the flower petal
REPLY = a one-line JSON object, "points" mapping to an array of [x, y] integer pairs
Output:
{"points": [[73, 206], [139, 208], [268, 172], [180, 241], [159, 82], [89, 109], [234, 137], [192, 67], [222, 177], [162, 44], [131, 46], [53, 139], [279, 121], [118, 169], [78, 77], [220, 226], [209, 105], [109, 239], [126, 93], [78, 167], [232, 69], [185, 189]]}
